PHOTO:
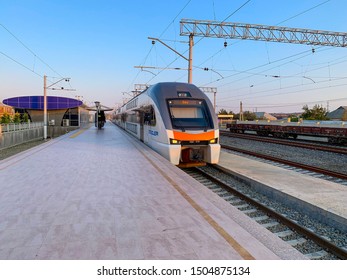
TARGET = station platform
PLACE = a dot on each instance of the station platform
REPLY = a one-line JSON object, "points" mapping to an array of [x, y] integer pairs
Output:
{"points": [[324, 200], [102, 194]]}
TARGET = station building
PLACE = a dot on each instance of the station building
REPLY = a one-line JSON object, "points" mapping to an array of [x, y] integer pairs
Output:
{"points": [[63, 114]]}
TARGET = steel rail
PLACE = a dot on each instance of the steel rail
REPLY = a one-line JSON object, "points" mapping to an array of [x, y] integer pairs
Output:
{"points": [[286, 142], [324, 243], [288, 162]]}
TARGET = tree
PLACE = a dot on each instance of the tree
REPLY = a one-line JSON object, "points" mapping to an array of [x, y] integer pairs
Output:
{"points": [[222, 112], [16, 118], [318, 112], [25, 118], [293, 118], [225, 112], [249, 116], [6, 118]]}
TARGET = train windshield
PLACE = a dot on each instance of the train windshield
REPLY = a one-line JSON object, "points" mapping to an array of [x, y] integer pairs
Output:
{"points": [[189, 114]]}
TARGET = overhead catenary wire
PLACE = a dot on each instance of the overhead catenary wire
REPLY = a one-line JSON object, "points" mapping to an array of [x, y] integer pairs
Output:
{"points": [[303, 12], [295, 75], [305, 53], [282, 91], [34, 55], [279, 105], [31, 51], [185, 6], [261, 73], [21, 64], [234, 12]]}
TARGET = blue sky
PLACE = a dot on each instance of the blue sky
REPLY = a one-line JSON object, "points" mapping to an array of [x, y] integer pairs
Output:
{"points": [[98, 43]]}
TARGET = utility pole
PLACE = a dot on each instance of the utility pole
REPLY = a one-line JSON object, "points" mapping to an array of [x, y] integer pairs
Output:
{"points": [[44, 107], [241, 111], [189, 59], [45, 87]]}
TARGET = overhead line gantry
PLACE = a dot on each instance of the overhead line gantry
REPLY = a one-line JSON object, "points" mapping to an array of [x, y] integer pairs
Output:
{"points": [[232, 30], [245, 31]]}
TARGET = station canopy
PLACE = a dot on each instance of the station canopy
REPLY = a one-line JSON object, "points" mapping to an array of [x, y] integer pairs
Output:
{"points": [[36, 102]]}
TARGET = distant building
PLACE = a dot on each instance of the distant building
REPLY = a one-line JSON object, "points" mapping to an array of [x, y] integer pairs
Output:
{"points": [[6, 109], [286, 115], [264, 116], [340, 114]]}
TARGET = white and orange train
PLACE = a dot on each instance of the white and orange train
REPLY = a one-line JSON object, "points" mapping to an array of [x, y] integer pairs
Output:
{"points": [[177, 120]]}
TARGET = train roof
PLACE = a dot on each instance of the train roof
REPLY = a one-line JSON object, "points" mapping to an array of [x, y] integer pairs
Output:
{"points": [[170, 89], [165, 90], [160, 92]]}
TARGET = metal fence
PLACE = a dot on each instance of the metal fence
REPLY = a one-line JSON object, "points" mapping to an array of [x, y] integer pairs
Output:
{"points": [[19, 126]]}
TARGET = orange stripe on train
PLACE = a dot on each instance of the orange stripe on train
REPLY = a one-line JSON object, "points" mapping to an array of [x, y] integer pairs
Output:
{"points": [[190, 137]]}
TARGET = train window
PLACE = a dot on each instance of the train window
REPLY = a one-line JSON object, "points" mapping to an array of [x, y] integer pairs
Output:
{"points": [[149, 116], [190, 114], [185, 113]]}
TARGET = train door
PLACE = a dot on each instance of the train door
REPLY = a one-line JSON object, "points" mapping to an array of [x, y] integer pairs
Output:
{"points": [[142, 131]]}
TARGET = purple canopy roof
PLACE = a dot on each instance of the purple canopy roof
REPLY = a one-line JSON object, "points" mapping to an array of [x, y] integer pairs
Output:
{"points": [[36, 102]]}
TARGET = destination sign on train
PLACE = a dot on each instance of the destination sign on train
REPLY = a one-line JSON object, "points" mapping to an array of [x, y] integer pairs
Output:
{"points": [[185, 102]]}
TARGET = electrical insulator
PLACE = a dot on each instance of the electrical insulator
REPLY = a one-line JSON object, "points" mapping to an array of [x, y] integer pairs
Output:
{"points": [[225, 44]]}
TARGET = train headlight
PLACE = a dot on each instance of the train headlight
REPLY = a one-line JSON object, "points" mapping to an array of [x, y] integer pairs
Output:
{"points": [[213, 141], [175, 142]]}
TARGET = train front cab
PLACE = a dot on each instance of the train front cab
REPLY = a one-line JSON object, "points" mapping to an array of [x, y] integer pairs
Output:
{"points": [[194, 138]]}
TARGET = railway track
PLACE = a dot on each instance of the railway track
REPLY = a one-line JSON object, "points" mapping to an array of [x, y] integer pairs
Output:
{"points": [[292, 143], [337, 177], [306, 240]]}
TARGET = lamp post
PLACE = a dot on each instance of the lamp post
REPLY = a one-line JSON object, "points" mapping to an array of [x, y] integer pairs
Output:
{"points": [[45, 87], [97, 106]]}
